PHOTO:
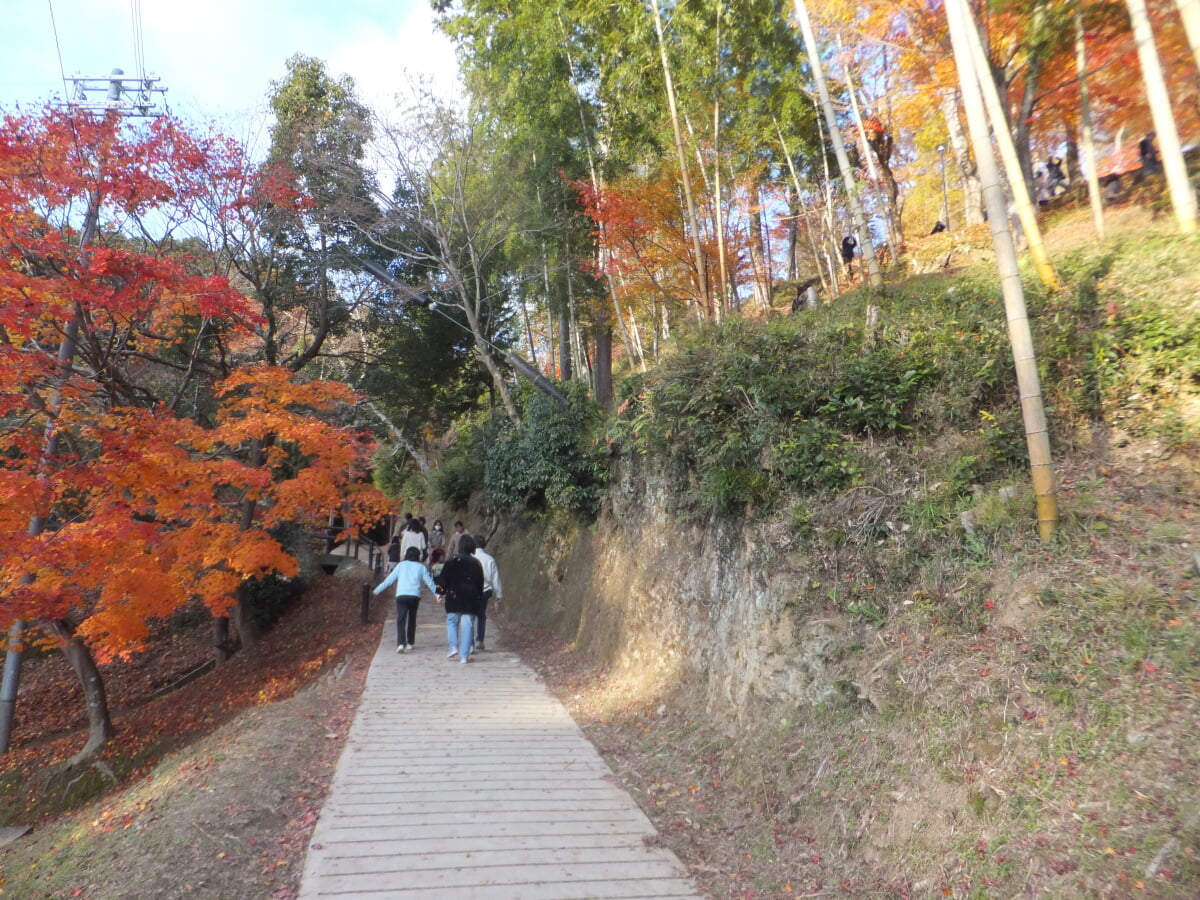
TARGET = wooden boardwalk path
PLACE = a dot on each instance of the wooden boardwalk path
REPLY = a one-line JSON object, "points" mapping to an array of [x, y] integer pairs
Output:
{"points": [[470, 782]]}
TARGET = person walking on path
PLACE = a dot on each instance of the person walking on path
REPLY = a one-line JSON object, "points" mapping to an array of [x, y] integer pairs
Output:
{"points": [[462, 592], [408, 576], [437, 537], [492, 588], [437, 559], [424, 534], [412, 537], [452, 545], [393, 553]]}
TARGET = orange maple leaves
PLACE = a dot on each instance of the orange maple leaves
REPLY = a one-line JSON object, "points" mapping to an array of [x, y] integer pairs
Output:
{"points": [[141, 506]]}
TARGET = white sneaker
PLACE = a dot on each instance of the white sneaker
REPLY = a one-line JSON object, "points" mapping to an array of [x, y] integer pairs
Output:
{"points": [[453, 653], [409, 648], [401, 648], [465, 660]]}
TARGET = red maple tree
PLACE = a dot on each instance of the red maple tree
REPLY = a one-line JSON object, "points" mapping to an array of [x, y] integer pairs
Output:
{"points": [[130, 448]]}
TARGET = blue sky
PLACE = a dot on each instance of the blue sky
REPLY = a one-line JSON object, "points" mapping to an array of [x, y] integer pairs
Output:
{"points": [[218, 57]]}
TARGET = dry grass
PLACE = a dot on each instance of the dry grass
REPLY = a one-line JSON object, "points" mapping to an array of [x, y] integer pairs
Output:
{"points": [[1022, 722]]}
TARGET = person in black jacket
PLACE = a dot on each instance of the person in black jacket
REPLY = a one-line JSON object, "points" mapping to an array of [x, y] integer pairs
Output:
{"points": [[1148, 154], [461, 584], [849, 243], [1058, 178]]}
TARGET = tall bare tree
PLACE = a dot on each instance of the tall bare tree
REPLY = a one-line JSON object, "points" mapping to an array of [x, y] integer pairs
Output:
{"points": [[710, 309], [1087, 139], [1189, 12], [1183, 195], [839, 146], [1017, 185], [450, 215], [1037, 435]]}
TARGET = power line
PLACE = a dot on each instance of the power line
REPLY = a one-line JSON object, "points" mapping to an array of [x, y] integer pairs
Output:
{"points": [[57, 46], [139, 44]]}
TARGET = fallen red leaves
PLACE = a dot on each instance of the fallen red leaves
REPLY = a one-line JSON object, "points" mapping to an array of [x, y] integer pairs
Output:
{"points": [[50, 726]]}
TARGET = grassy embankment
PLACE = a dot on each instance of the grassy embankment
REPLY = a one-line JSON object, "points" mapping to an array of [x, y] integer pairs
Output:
{"points": [[1031, 719]]}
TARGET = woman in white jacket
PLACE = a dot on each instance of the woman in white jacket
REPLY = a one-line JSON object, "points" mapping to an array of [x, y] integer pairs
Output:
{"points": [[413, 536]]}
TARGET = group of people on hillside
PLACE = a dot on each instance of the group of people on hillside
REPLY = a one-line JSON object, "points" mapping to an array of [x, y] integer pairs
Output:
{"points": [[456, 569]]}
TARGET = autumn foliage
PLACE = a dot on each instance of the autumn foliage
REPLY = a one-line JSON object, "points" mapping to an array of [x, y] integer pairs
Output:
{"points": [[645, 249], [133, 453]]}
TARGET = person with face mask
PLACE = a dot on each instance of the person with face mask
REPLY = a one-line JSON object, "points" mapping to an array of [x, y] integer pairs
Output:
{"points": [[437, 537]]}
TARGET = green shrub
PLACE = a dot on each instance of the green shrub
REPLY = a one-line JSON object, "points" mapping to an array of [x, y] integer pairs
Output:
{"points": [[459, 476], [813, 456], [726, 489], [551, 459], [754, 409], [874, 392]]}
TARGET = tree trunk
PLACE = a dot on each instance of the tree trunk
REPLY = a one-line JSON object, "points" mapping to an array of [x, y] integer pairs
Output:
{"points": [[1023, 142], [243, 613], [839, 148], [574, 333], [1071, 162], [797, 207], [222, 645], [829, 236], [498, 382], [100, 728], [10, 686], [550, 341], [764, 234], [245, 620], [636, 336], [603, 367], [968, 171], [758, 259], [1189, 12], [829, 287], [793, 233], [564, 344], [399, 437], [470, 307], [726, 297], [685, 180], [1183, 195], [525, 315], [1028, 382], [869, 159], [1085, 124], [1018, 186]]}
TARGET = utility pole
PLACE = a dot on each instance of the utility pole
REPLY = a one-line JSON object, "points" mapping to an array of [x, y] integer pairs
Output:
{"points": [[119, 100], [123, 96]]}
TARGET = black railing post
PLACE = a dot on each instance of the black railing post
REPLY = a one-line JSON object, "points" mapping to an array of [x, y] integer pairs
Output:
{"points": [[366, 604]]}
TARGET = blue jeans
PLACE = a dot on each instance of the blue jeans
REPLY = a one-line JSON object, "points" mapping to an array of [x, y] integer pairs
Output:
{"points": [[460, 628], [481, 624]]}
